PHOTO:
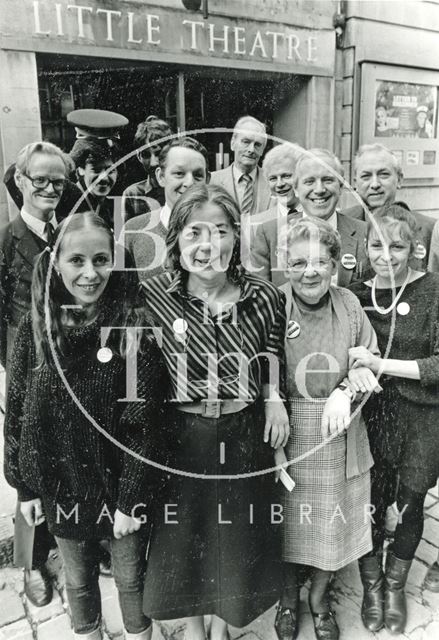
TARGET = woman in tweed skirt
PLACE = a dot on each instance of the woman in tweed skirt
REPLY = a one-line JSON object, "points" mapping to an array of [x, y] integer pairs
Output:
{"points": [[325, 516]]}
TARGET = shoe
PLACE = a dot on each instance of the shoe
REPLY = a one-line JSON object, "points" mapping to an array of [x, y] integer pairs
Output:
{"points": [[372, 608], [286, 623], [325, 625], [431, 581], [395, 605], [38, 586]]}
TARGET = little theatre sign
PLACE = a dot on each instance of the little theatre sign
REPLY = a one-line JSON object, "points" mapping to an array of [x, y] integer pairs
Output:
{"points": [[174, 35]]}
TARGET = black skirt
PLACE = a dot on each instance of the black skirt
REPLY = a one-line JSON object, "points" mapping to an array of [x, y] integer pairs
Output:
{"points": [[404, 435], [214, 548]]}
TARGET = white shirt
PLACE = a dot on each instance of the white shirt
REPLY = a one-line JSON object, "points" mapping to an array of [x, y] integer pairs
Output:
{"points": [[240, 185], [165, 214], [36, 225]]}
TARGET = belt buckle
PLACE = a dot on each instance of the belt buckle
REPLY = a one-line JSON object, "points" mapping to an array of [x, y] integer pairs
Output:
{"points": [[211, 408]]}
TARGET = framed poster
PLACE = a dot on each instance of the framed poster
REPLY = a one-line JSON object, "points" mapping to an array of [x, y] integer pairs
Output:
{"points": [[399, 108]]}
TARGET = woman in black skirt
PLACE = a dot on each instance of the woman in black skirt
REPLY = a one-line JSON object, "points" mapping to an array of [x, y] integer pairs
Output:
{"points": [[403, 307], [214, 543]]}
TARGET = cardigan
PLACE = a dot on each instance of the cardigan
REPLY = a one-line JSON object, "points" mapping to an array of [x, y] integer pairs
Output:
{"points": [[55, 452]]}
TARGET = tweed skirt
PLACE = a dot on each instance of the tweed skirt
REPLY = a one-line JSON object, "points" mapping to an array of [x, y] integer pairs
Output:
{"points": [[326, 522]]}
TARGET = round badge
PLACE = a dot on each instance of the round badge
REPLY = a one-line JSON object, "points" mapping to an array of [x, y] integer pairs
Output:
{"points": [[104, 354], [420, 251], [293, 330], [179, 325], [403, 308], [349, 261]]}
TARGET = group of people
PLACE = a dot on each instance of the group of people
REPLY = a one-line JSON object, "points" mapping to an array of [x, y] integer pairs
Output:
{"points": [[231, 388]]}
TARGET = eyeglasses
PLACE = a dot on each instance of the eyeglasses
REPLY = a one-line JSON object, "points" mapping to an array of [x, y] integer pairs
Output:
{"points": [[41, 182], [318, 264]]}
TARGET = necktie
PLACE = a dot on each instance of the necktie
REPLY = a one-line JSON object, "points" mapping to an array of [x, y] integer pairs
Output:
{"points": [[48, 229], [247, 198]]}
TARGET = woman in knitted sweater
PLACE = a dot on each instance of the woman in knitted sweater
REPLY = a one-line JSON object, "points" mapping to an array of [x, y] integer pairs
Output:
{"points": [[403, 307], [74, 440]]}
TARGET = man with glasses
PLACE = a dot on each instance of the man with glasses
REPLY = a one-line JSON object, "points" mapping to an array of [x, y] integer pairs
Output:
{"points": [[40, 175], [146, 195]]}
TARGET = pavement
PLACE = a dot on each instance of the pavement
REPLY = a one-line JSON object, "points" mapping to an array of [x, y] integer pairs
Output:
{"points": [[20, 620]]}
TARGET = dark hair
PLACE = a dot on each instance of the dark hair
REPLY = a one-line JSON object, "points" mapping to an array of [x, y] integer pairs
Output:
{"points": [[150, 130], [395, 215], [187, 143], [94, 151], [191, 200], [116, 296]]}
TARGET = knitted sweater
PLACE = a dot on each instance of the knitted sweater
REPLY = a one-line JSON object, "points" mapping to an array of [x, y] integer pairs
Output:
{"points": [[55, 451]]}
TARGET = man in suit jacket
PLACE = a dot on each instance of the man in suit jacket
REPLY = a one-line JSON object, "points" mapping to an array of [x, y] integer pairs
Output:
{"points": [[243, 179], [317, 182], [378, 176], [41, 171]]}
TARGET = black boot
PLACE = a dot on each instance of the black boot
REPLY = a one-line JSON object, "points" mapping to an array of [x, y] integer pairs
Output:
{"points": [[395, 606], [372, 577], [325, 624], [286, 623]]}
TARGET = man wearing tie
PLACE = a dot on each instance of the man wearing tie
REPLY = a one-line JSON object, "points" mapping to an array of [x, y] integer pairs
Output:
{"points": [[243, 179], [40, 175], [318, 184]]}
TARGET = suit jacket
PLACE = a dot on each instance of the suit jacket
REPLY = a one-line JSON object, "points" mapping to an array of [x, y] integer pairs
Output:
{"points": [[265, 244], [425, 225], [19, 248], [261, 202]]}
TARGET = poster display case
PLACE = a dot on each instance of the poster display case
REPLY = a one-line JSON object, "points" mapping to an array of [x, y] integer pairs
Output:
{"points": [[399, 108]]}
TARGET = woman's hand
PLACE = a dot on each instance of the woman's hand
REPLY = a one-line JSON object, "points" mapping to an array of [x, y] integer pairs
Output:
{"points": [[32, 512], [362, 357], [124, 525], [362, 380], [336, 414], [277, 425], [279, 459]]}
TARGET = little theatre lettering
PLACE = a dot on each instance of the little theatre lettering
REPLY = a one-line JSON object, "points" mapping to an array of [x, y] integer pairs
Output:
{"points": [[151, 28]]}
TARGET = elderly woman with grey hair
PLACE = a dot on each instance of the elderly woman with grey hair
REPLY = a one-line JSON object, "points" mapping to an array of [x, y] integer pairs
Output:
{"points": [[328, 453]]}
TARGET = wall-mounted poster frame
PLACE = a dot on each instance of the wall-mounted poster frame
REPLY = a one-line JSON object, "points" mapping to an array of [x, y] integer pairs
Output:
{"points": [[399, 108]]}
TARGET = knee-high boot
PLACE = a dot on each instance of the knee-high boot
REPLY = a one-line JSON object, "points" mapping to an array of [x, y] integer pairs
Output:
{"points": [[395, 605], [372, 577]]}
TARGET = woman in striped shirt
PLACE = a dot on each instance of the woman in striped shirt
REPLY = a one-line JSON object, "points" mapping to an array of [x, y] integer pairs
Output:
{"points": [[221, 333]]}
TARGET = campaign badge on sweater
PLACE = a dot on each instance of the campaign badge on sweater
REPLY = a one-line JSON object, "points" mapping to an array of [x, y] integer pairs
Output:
{"points": [[293, 329], [403, 308], [420, 251], [349, 261]]}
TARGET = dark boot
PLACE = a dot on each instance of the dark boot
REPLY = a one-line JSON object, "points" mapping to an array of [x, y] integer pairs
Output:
{"points": [[286, 623], [38, 586], [431, 581], [395, 606], [325, 624], [372, 577]]}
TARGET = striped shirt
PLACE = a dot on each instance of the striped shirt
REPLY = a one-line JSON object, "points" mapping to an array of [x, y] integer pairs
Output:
{"points": [[226, 356]]}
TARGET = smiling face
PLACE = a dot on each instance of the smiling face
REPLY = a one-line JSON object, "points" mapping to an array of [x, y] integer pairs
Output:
{"points": [[389, 252], [380, 117], [248, 146], [310, 269], [206, 242], [41, 202], [280, 176], [183, 168], [98, 171], [317, 187], [84, 264], [377, 178]]}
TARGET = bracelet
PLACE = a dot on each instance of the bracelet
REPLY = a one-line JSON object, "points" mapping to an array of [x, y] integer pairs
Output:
{"points": [[346, 390]]}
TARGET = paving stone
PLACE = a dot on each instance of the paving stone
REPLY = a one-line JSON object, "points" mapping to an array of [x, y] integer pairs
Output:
{"points": [[430, 501], [431, 600], [426, 552], [110, 608], [431, 533], [415, 579], [433, 512], [11, 608], [431, 631], [20, 630], [157, 632], [41, 614], [55, 629]]}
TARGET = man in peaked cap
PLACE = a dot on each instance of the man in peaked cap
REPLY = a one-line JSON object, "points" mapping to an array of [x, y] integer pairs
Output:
{"points": [[97, 123]]}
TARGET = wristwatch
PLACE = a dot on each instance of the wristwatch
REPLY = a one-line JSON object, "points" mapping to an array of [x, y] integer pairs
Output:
{"points": [[347, 390]]}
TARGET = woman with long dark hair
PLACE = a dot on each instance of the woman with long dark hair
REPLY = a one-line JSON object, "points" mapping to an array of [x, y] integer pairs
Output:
{"points": [[73, 443]]}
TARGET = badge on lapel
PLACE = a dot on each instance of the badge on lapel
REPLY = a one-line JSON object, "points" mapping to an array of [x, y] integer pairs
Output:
{"points": [[293, 330]]}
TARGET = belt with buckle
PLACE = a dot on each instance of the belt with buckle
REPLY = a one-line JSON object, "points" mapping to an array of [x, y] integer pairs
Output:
{"points": [[213, 408]]}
